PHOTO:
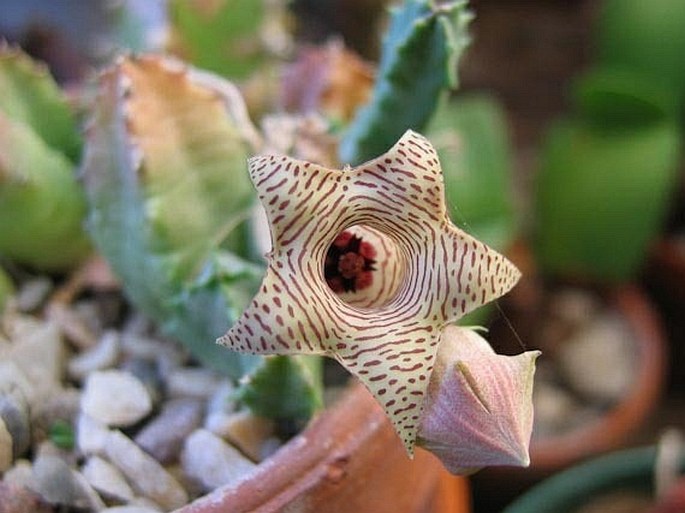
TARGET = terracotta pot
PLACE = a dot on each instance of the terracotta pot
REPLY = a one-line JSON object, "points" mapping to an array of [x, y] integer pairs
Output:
{"points": [[667, 266], [348, 460], [616, 426]]}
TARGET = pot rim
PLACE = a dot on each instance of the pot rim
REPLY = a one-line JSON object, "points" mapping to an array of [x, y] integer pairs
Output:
{"points": [[301, 454], [316, 466]]}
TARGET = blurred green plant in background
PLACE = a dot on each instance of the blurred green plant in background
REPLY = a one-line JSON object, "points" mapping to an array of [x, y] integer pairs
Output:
{"points": [[222, 37], [608, 171], [41, 205], [470, 133], [646, 39]]}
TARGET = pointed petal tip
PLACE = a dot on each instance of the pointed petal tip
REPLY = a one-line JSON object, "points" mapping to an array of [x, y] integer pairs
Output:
{"points": [[411, 133], [517, 452], [513, 271]]}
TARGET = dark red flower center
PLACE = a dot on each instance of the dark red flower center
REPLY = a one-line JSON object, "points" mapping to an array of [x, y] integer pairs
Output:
{"points": [[349, 263]]}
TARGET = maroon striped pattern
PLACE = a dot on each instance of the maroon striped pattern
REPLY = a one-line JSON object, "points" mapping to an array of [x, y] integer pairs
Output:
{"points": [[430, 272]]}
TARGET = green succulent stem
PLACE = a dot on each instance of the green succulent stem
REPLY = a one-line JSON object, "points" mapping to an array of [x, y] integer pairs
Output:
{"points": [[286, 385], [418, 63], [165, 172], [29, 94]]}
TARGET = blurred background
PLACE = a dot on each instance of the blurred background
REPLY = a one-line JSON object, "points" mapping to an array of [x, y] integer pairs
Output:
{"points": [[568, 157]]}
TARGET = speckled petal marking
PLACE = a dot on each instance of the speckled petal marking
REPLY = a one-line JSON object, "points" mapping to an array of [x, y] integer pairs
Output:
{"points": [[437, 272]]}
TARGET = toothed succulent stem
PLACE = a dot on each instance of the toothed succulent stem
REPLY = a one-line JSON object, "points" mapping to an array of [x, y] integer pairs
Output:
{"points": [[163, 173], [169, 193], [419, 62]]}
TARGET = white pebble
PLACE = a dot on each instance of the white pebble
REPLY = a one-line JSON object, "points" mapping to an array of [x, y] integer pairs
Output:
{"points": [[144, 502], [222, 399], [213, 463], [60, 484], [99, 357], [13, 378], [269, 448], [162, 438], [147, 348], [107, 479], [575, 306], [554, 408], [192, 382], [243, 429], [41, 356], [130, 509], [20, 474], [87, 310], [73, 327], [145, 474], [598, 361], [115, 398], [33, 294], [91, 435], [15, 424]]}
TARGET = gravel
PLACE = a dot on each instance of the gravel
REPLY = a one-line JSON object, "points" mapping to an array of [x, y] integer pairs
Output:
{"points": [[111, 418]]}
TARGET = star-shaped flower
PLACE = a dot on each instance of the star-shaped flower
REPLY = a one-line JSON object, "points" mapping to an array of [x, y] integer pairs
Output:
{"points": [[440, 272]]}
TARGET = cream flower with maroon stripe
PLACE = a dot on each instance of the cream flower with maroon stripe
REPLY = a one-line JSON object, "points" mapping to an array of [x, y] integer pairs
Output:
{"points": [[431, 272]]}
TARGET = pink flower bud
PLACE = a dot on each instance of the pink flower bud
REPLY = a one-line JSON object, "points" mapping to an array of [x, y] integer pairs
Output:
{"points": [[478, 410]]}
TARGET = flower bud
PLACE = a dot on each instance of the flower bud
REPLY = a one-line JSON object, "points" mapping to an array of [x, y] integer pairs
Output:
{"points": [[478, 410]]}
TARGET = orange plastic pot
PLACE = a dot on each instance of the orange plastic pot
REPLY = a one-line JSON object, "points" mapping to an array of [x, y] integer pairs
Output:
{"points": [[348, 460]]}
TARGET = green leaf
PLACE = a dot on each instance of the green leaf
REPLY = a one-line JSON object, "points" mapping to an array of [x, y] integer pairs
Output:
{"points": [[41, 206], [62, 435], [418, 62], [479, 317], [206, 308], [220, 35], [602, 196], [29, 94]]}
